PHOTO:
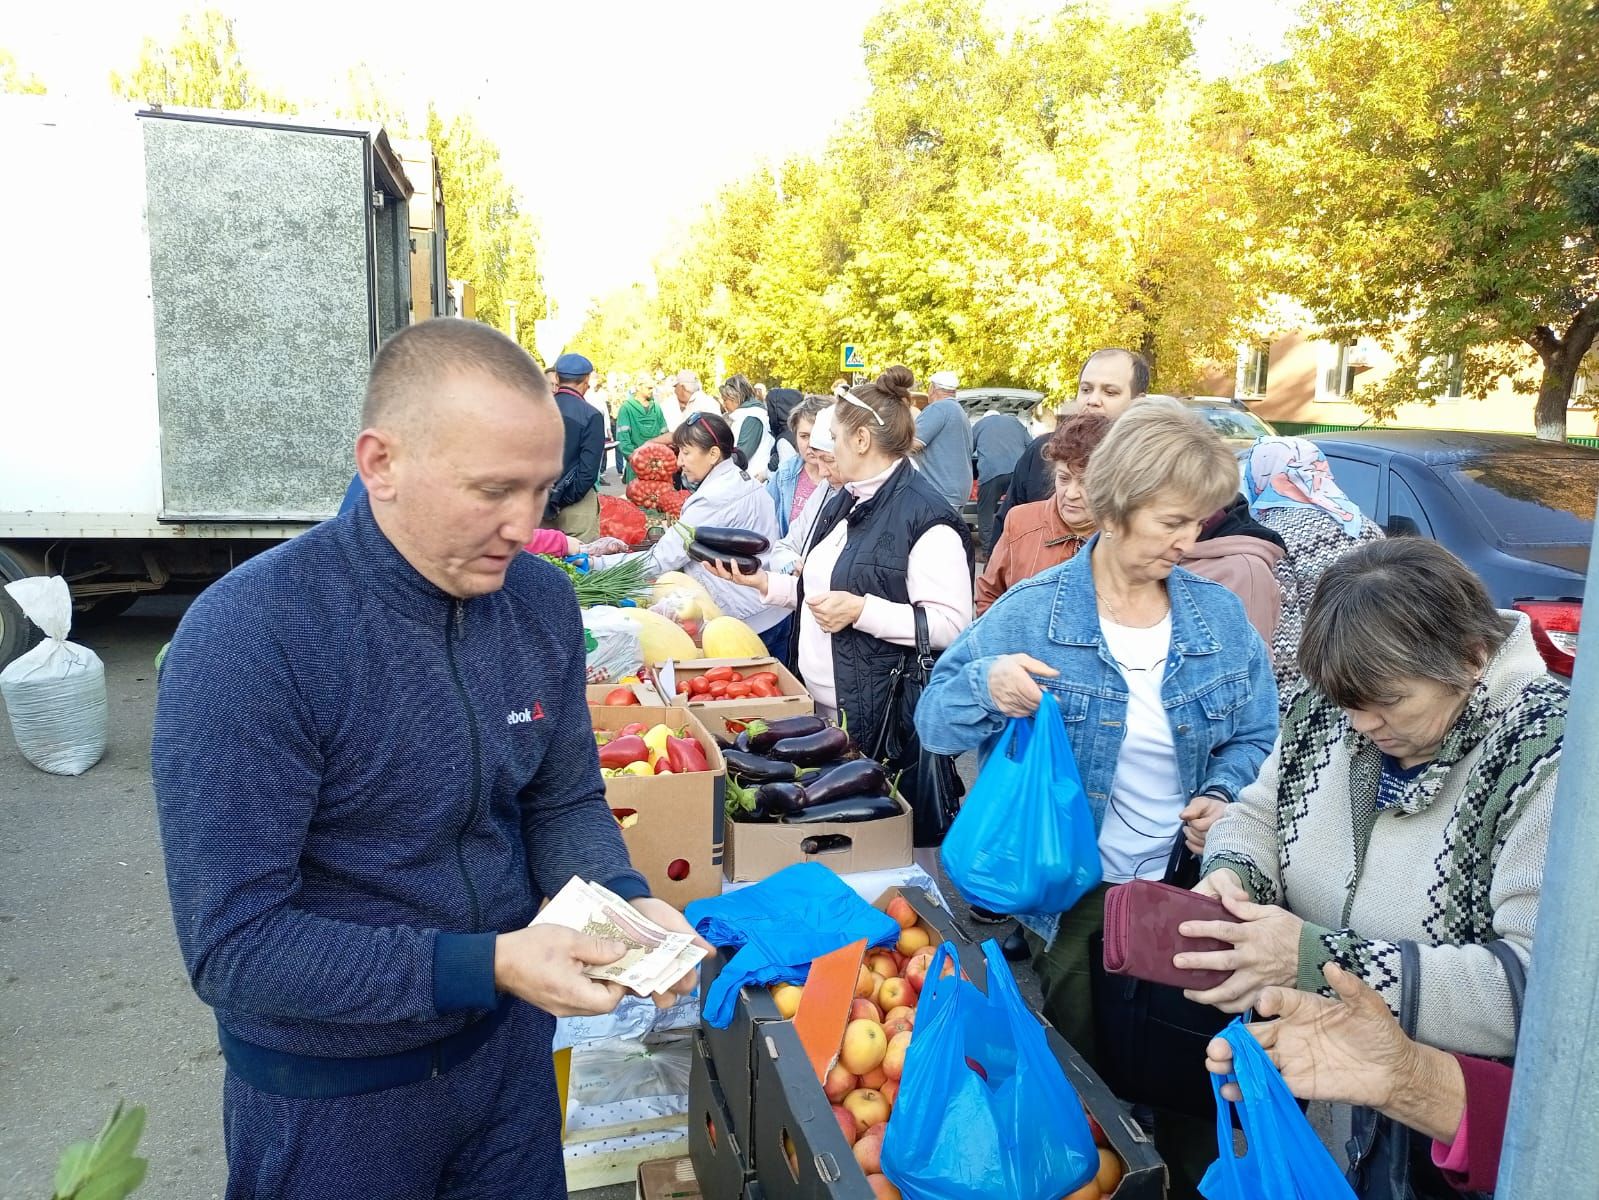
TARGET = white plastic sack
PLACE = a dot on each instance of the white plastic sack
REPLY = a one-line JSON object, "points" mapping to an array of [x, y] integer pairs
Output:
{"points": [[612, 644], [55, 693]]}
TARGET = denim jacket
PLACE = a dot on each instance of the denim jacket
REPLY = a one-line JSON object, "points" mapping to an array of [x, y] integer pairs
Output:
{"points": [[782, 486], [1219, 690]]}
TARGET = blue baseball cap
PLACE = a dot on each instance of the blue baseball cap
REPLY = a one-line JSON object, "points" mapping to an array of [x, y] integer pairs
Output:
{"points": [[573, 366]]}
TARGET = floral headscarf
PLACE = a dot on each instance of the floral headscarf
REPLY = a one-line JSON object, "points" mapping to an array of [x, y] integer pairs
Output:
{"points": [[1286, 472]]}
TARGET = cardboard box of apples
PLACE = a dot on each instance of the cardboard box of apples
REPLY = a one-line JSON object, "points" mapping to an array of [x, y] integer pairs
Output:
{"points": [[805, 1112]]}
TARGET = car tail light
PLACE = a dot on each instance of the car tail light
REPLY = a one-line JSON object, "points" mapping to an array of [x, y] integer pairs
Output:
{"points": [[1555, 625]]}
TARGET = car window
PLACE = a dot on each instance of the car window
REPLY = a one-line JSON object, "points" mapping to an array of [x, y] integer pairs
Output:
{"points": [[1234, 424], [1527, 498], [1357, 479], [1405, 514]]}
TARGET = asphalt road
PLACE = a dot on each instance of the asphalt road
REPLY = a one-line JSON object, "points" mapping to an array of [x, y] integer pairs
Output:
{"points": [[94, 1003]]}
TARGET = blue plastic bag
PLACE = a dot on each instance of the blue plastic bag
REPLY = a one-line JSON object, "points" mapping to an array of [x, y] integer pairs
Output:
{"points": [[1285, 1160], [1020, 1133], [779, 925], [1024, 841]]}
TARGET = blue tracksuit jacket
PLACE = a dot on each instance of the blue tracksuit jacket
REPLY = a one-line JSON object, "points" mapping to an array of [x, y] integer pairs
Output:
{"points": [[361, 780]]}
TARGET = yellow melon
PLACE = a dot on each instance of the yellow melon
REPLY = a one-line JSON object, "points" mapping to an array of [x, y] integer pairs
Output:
{"points": [[661, 639], [728, 637]]}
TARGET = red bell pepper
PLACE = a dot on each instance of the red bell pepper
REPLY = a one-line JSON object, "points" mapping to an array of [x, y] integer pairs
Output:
{"points": [[636, 729], [663, 766], [621, 751], [685, 754]]}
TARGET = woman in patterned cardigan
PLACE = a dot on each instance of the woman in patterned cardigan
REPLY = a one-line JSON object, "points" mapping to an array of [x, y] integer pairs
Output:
{"points": [[1400, 826]]}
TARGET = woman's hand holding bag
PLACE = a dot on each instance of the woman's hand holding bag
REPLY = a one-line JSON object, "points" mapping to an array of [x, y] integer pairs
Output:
{"points": [[1024, 841]]}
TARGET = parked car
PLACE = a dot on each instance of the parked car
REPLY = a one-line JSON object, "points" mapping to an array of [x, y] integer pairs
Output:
{"points": [[1232, 419], [1519, 512]]}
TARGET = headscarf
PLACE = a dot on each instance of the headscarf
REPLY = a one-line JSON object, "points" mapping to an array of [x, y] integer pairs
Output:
{"points": [[1287, 472], [822, 432]]}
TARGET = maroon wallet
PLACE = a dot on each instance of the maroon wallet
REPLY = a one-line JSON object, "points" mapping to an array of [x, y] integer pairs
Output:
{"points": [[1141, 920]]}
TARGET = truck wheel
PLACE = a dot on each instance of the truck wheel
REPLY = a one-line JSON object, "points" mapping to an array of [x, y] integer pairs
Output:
{"points": [[18, 635]]}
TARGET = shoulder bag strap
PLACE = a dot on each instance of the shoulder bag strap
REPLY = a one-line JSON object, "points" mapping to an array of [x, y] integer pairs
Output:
{"points": [[1515, 975], [925, 659]]}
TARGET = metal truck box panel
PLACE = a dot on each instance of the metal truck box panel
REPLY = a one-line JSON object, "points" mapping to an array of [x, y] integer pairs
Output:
{"points": [[263, 319], [79, 427]]}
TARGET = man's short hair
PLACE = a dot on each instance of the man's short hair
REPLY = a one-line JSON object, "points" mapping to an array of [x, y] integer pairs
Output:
{"points": [[688, 379], [420, 357], [1140, 367]]}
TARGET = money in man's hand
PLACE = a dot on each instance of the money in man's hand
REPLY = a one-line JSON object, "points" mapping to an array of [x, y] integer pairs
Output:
{"points": [[655, 958]]}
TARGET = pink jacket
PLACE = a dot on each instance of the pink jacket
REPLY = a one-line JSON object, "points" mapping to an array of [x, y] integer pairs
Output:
{"points": [[548, 541], [1244, 565]]}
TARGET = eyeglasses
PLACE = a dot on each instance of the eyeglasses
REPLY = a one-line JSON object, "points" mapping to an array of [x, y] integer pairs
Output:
{"points": [[859, 403]]}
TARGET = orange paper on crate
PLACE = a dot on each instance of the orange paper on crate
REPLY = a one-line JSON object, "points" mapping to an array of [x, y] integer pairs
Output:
{"points": [[824, 1004]]}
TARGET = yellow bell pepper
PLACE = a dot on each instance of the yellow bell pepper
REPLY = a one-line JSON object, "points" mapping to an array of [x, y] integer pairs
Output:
{"points": [[655, 739], [634, 768]]}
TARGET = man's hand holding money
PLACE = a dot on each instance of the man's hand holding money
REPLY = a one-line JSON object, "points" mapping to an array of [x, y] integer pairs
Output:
{"points": [[545, 965], [665, 915]]}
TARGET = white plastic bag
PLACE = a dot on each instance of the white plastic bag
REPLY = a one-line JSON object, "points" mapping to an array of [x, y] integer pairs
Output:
{"points": [[612, 644], [55, 693]]}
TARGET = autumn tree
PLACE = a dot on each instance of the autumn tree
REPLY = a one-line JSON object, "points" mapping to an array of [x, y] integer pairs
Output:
{"points": [[493, 242], [1428, 172], [14, 80], [202, 68]]}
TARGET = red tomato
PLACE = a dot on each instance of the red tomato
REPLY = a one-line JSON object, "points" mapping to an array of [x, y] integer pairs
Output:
{"points": [[764, 689], [720, 673], [738, 690], [718, 689], [764, 676], [682, 687], [619, 696], [699, 686]]}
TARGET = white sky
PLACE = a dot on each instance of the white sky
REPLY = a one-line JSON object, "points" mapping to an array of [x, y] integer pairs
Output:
{"points": [[617, 119]]}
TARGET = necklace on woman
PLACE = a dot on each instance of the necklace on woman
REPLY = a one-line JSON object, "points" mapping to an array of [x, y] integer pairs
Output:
{"points": [[1115, 613]]}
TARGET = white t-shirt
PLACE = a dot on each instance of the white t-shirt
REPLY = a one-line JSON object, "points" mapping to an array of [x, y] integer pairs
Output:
{"points": [[1146, 795]]}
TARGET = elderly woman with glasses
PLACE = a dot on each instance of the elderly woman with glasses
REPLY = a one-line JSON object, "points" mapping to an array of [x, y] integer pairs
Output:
{"points": [[885, 548]]}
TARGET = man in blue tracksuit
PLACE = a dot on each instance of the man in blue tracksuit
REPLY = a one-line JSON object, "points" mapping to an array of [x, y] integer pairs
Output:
{"points": [[373, 761]]}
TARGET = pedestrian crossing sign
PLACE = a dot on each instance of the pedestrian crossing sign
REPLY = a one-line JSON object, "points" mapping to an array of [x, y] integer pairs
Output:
{"points": [[852, 358]]}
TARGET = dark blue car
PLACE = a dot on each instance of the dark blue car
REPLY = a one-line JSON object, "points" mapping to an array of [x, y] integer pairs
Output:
{"points": [[1517, 511]]}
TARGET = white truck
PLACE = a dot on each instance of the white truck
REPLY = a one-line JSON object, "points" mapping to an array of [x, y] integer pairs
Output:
{"points": [[195, 298]]}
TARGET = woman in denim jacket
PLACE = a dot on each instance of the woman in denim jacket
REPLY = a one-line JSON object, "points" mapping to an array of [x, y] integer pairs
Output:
{"points": [[1165, 687]]}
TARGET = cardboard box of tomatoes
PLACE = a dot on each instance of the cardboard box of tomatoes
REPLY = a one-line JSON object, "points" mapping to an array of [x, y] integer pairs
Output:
{"points": [[666, 787], [820, 1138], [738, 689]]}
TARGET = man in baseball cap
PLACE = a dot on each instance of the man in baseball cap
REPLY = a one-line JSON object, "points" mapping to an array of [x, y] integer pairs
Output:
{"points": [[574, 506], [946, 437]]}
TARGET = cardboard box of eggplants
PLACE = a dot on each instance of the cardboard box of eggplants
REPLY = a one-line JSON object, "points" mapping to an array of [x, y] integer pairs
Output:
{"points": [[799, 790]]}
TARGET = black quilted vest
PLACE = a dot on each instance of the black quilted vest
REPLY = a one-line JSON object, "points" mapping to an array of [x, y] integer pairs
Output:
{"points": [[874, 561]]}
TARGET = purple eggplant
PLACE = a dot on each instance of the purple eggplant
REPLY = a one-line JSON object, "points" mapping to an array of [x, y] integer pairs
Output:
{"points": [[788, 727], [814, 749], [747, 564], [753, 768], [861, 777], [849, 809], [779, 799]]}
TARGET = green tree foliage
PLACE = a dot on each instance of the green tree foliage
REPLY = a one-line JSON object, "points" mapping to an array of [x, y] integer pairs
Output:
{"points": [[493, 243], [202, 68], [14, 80], [1427, 169], [1004, 203]]}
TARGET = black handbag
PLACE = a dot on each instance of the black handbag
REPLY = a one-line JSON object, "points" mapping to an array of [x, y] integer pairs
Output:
{"points": [[1386, 1160], [928, 782], [1149, 1038]]}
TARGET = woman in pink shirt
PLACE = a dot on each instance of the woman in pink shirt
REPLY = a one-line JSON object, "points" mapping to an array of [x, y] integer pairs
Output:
{"points": [[887, 545]]}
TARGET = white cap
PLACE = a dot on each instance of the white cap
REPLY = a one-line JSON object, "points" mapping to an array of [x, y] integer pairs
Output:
{"points": [[822, 432], [946, 379]]}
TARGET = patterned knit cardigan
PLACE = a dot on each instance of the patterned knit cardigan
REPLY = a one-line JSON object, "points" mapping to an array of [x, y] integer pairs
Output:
{"points": [[1458, 863]]}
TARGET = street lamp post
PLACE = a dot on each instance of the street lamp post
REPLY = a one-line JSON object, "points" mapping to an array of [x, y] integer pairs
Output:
{"points": [[511, 306]]}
